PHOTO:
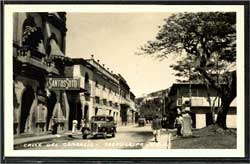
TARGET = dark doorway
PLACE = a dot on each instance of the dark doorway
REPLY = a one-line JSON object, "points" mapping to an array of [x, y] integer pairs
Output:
{"points": [[123, 114], [27, 100], [75, 113], [86, 112], [79, 114], [209, 119], [193, 117], [51, 105]]}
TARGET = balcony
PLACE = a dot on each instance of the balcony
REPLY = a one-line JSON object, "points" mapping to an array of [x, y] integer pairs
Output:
{"points": [[197, 101], [33, 57]]}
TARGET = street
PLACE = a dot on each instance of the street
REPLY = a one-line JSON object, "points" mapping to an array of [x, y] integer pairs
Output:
{"points": [[127, 137]]}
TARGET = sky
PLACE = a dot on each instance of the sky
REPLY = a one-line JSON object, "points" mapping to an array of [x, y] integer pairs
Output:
{"points": [[114, 38]]}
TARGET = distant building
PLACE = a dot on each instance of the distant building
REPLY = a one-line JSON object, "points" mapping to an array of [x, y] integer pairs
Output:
{"points": [[38, 53], [201, 102], [101, 93], [152, 104]]}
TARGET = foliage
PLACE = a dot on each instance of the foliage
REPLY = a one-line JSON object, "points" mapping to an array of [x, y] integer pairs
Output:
{"points": [[206, 41]]}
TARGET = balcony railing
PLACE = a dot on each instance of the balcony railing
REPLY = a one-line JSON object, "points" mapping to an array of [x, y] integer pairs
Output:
{"points": [[32, 56]]}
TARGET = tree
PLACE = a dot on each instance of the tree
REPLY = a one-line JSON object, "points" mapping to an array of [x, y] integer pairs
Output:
{"points": [[208, 40]]}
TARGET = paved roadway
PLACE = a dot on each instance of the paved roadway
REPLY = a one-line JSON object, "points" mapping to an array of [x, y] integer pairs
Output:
{"points": [[127, 137]]}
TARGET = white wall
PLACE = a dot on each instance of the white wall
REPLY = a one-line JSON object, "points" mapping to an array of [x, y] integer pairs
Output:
{"points": [[200, 120]]}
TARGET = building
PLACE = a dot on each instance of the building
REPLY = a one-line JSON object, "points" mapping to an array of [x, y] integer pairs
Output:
{"points": [[101, 92], [38, 53], [201, 100], [152, 104]]}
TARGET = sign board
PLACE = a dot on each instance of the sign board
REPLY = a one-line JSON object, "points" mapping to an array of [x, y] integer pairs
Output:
{"points": [[63, 83]]}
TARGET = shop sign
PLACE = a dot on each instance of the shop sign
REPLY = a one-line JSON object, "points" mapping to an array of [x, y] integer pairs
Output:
{"points": [[63, 84]]}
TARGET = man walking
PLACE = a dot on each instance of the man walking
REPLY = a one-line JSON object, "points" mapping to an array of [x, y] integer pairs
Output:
{"points": [[156, 126]]}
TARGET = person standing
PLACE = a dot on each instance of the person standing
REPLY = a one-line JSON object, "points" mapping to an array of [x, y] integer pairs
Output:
{"points": [[178, 124], [156, 126], [74, 126], [54, 125], [187, 123]]}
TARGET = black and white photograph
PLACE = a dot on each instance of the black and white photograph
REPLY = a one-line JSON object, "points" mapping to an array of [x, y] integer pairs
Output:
{"points": [[124, 78]]}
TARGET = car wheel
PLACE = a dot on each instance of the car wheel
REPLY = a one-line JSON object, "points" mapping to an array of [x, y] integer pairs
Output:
{"points": [[113, 134], [84, 136]]}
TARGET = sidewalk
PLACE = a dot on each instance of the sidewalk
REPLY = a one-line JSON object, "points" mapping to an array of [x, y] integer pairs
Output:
{"points": [[164, 141]]}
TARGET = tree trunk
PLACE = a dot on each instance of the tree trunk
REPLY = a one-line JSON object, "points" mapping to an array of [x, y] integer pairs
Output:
{"points": [[222, 114]]}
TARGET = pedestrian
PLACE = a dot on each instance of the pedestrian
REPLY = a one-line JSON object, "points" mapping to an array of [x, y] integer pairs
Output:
{"points": [[156, 126], [82, 123], [187, 123], [164, 122], [178, 122], [74, 126], [54, 125]]}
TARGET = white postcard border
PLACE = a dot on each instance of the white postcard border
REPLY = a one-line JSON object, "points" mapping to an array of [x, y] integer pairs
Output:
{"points": [[8, 88]]}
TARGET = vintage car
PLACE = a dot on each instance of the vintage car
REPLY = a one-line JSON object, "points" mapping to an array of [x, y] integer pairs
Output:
{"points": [[141, 121], [101, 125]]}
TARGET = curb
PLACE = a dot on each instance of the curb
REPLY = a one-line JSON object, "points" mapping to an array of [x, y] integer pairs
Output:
{"points": [[37, 139]]}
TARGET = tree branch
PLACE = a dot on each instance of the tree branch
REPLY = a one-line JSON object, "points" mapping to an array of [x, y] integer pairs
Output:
{"points": [[211, 80]]}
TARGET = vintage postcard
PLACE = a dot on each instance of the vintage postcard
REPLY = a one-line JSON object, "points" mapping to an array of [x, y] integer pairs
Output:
{"points": [[124, 81]]}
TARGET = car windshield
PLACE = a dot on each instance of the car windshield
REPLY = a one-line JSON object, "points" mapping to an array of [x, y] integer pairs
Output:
{"points": [[98, 118]]}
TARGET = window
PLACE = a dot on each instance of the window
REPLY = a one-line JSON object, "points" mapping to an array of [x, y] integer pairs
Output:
{"points": [[104, 101], [97, 100]]}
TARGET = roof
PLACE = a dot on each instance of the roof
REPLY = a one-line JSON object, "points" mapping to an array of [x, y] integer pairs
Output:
{"points": [[102, 116], [174, 87]]}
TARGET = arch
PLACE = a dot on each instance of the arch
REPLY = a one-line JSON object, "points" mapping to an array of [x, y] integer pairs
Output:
{"points": [[50, 106], [27, 100], [32, 34]]}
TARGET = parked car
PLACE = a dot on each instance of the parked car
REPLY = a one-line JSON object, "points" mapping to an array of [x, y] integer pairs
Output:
{"points": [[100, 125], [141, 121]]}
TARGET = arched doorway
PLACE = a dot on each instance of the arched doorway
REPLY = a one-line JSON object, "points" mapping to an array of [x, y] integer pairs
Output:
{"points": [[27, 100], [75, 113], [51, 105]]}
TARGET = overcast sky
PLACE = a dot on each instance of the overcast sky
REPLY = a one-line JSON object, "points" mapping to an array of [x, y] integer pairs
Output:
{"points": [[114, 38]]}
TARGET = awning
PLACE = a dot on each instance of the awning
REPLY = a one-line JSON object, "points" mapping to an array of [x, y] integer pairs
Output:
{"points": [[55, 50]]}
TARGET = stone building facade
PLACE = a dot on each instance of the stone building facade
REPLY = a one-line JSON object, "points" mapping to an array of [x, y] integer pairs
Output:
{"points": [[101, 93], [38, 53]]}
